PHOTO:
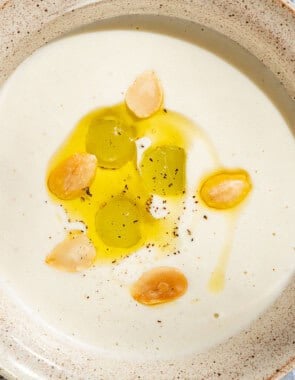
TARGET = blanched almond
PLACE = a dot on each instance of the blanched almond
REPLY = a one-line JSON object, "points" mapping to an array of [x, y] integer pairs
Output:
{"points": [[71, 176], [226, 189], [76, 253], [145, 96], [159, 285]]}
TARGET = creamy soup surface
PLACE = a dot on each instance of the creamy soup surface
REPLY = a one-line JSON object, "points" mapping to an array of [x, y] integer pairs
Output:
{"points": [[242, 118]]}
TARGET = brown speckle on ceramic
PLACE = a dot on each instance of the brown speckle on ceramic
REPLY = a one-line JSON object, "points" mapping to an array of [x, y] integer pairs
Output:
{"points": [[266, 349]]}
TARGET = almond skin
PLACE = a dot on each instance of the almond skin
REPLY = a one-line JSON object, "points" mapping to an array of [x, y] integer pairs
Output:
{"points": [[145, 96], [76, 253], [226, 189], [159, 285], [68, 179]]}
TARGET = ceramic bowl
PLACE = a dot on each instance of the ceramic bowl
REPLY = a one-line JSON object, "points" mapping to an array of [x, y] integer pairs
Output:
{"points": [[266, 348]]}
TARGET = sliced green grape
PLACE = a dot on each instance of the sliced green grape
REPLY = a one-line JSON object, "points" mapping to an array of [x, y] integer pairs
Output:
{"points": [[111, 142], [118, 223], [163, 170]]}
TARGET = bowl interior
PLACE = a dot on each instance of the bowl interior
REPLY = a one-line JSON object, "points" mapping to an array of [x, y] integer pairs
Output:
{"points": [[29, 341]]}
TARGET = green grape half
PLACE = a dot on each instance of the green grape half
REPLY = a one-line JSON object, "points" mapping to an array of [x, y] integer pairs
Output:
{"points": [[118, 223], [111, 142], [163, 170]]}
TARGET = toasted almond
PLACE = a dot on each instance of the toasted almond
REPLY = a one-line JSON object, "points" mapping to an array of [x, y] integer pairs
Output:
{"points": [[72, 176], [226, 189], [76, 253], [159, 285], [145, 96]]}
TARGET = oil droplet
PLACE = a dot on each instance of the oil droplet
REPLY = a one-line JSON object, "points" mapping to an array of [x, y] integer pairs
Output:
{"points": [[217, 280]]}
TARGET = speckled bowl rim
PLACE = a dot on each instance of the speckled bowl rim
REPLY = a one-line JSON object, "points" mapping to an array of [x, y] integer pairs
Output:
{"points": [[265, 350]]}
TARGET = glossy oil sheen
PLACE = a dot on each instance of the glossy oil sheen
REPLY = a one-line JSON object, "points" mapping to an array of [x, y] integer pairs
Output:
{"points": [[128, 182]]}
